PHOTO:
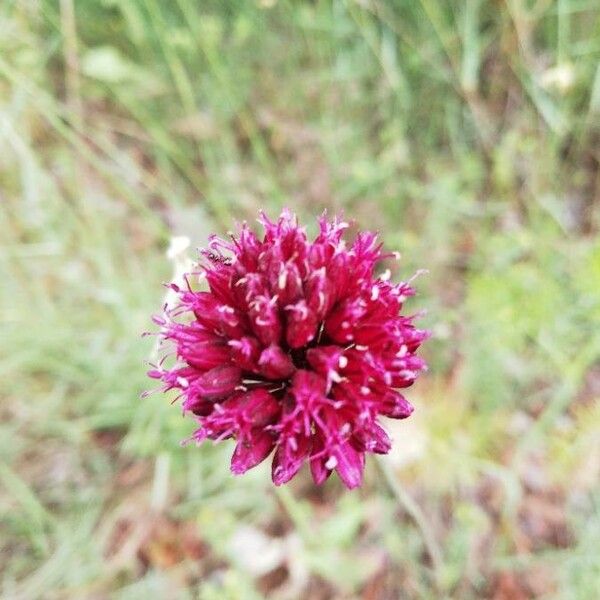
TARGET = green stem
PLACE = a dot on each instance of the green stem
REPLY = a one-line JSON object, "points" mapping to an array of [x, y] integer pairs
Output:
{"points": [[416, 514]]}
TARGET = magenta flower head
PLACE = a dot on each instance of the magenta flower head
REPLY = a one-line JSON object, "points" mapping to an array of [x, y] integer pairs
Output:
{"points": [[295, 348]]}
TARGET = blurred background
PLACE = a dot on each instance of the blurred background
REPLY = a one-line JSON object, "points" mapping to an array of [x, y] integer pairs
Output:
{"points": [[466, 132]]}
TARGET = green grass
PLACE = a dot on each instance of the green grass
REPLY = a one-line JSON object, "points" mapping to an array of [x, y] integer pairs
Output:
{"points": [[466, 132]]}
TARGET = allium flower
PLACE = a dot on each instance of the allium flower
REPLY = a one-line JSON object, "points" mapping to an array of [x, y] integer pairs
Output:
{"points": [[296, 347]]}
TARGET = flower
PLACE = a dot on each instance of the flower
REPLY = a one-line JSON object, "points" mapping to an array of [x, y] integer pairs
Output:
{"points": [[296, 348]]}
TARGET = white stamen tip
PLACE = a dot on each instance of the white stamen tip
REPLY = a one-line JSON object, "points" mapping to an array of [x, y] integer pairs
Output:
{"points": [[321, 300], [343, 362], [331, 463], [364, 390], [386, 275], [282, 280]]}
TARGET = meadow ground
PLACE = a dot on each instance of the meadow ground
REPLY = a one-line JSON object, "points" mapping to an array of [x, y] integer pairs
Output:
{"points": [[467, 133]]}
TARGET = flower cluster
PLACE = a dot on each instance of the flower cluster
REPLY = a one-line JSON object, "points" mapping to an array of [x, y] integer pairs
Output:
{"points": [[295, 347]]}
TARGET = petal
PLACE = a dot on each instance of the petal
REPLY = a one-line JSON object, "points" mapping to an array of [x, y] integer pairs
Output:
{"points": [[308, 391], [253, 409], [286, 283], [317, 460], [342, 275], [328, 361], [288, 459], [260, 407], [301, 324], [205, 355], [205, 306], [232, 322], [264, 319], [395, 406], [249, 287], [219, 281], [372, 438], [251, 452], [198, 405], [245, 353], [247, 249], [197, 346], [219, 382], [349, 464], [319, 293], [341, 322], [274, 363]]}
